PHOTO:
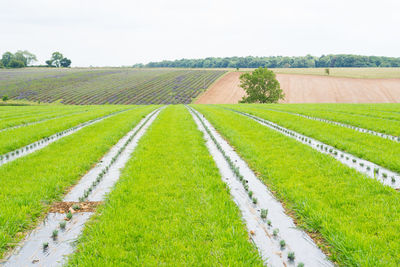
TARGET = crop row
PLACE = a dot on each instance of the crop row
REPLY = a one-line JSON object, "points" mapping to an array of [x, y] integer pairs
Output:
{"points": [[116, 86], [169, 207], [31, 183], [19, 137], [354, 218], [371, 169], [7, 124], [380, 151], [378, 124], [274, 232]]}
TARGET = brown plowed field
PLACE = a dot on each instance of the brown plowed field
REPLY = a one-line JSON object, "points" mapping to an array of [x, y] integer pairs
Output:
{"points": [[310, 89]]}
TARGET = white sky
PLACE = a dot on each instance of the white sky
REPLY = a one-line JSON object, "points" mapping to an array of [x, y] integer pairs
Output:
{"points": [[117, 32]]}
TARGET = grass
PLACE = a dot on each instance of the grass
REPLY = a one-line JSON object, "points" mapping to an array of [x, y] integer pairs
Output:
{"points": [[31, 183], [170, 207], [369, 117], [22, 136], [20, 115], [371, 73], [362, 145], [355, 218]]}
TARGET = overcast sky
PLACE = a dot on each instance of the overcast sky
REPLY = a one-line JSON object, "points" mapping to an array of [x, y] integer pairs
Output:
{"points": [[116, 32]]}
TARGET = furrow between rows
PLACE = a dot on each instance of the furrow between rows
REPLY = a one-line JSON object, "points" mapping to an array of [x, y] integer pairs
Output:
{"points": [[53, 239], [360, 129], [279, 241], [28, 149], [375, 171]]}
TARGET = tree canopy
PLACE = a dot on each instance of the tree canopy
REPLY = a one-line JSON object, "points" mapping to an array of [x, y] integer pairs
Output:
{"points": [[324, 61], [18, 60], [58, 60], [261, 86]]}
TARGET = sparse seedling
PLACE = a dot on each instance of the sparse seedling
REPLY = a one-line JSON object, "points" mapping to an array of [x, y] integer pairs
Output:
{"points": [[264, 213], [275, 232], [254, 200], [300, 264], [269, 223], [54, 234], [63, 224], [76, 207], [291, 256], [45, 245], [69, 215]]}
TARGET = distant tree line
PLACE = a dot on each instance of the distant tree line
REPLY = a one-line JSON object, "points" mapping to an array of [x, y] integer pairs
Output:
{"points": [[21, 59], [324, 61]]}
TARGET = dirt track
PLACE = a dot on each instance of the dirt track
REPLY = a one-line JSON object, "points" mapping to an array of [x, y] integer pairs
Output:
{"points": [[310, 89]]}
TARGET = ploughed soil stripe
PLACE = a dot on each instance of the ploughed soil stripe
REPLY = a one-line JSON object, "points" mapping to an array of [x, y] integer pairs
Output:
{"points": [[53, 240], [277, 238], [383, 175]]}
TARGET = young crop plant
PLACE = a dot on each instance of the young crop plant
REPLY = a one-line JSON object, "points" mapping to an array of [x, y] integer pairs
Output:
{"points": [[250, 193], [264, 213], [54, 234], [275, 232], [45, 245], [282, 243], [291, 256], [63, 224], [69, 215]]}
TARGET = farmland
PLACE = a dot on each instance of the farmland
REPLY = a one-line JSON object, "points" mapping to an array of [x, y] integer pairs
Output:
{"points": [[106, 85], [307, 88], [198, 185], [364, 73]]}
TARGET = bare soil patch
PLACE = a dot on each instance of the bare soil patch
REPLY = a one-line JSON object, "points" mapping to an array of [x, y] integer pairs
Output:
{"points": [[224, 91], [65, 207], [310, 89]]}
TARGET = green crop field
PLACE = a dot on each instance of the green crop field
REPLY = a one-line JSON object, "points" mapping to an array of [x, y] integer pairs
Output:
{"points": [[169, 201], [106, 85]]}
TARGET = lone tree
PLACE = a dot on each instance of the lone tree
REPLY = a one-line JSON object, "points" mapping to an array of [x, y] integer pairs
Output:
{"points": [[5, 98], [58, 60], [261, 86]]}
